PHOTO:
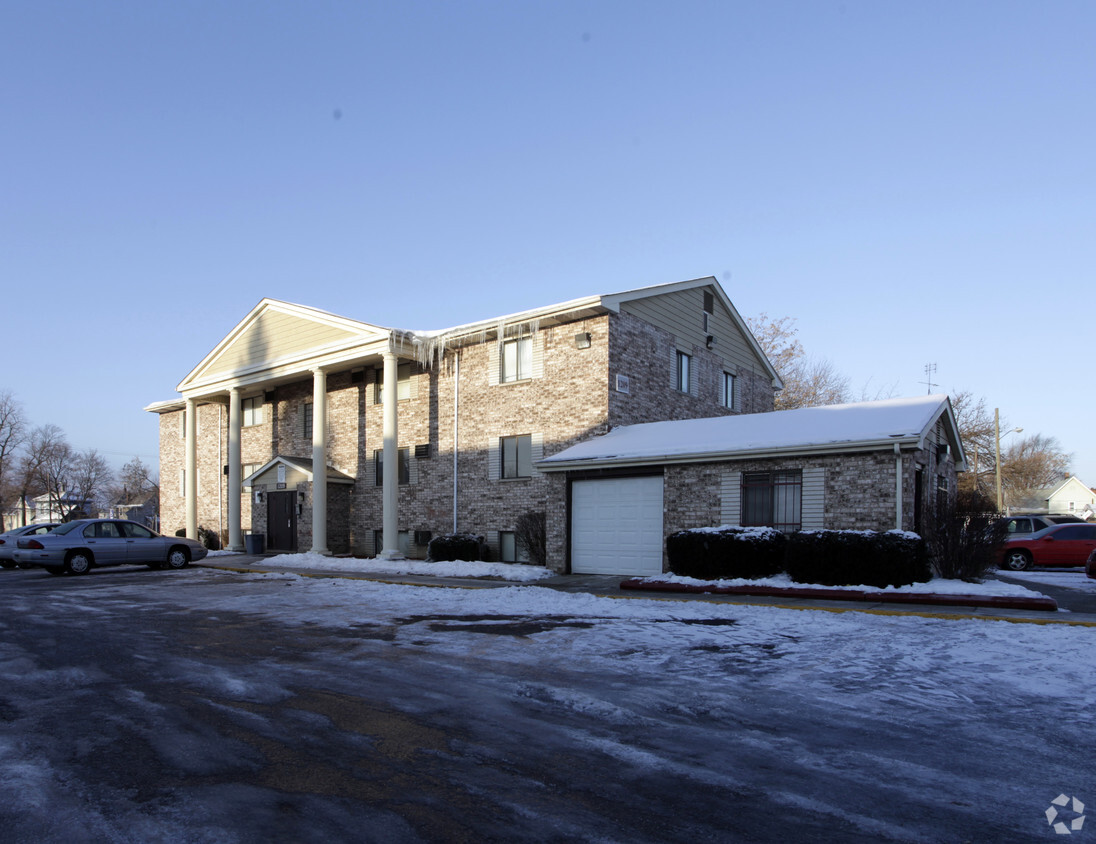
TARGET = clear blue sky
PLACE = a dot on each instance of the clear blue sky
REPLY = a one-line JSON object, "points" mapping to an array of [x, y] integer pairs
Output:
{"points": [[914, 183]]}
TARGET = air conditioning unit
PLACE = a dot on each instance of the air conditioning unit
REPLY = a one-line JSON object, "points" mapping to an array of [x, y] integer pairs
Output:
{"points": [[422, 451], [622, 384], [423, 537]]}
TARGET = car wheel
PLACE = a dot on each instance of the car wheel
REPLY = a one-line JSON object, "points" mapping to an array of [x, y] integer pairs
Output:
{"points": [[78, 562], [178, 558], [1018, 560]]}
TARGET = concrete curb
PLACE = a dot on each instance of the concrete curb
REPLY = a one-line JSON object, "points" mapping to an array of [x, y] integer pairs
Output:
{"points": [[1042, 604]]}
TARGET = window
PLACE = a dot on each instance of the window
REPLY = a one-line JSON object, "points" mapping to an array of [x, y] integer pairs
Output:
{"points": [[773, 499], [404, 463], [306, 420], [728, 391], [403, 384], [246, 471], [403, 541], [517, 456], [681, 376], [517, 360], [510, 550], [252, 410]]}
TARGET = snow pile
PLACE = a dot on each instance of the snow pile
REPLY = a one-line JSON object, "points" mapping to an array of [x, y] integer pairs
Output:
{"points": [[514, 572]]}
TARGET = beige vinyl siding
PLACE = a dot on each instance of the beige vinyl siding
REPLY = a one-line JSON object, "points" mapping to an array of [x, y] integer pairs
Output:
{"points": [[682, 314], [269, 478], [274, 335]]}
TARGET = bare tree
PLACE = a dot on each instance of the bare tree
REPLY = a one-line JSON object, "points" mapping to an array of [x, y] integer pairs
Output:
{"points": [[90, 477], [1030, 464], [12, 434], [808, 382], [976, 430], [136, 484]]}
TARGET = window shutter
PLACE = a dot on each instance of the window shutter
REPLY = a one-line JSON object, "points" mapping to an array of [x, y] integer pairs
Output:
{"points": [[694, 380], [493, 542], [730, 511], [736, 399], [494, 468], [814, 499], [371, 388], [723, 390], [413, 384], [371, 471], [494, 361], [412, 468], [538, 355], [537, 450]]}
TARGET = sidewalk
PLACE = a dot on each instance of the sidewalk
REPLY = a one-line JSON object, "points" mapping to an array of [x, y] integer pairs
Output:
{"points": [[609, 586]]}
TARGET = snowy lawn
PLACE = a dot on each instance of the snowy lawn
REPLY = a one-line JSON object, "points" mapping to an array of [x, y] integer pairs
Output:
{"points": [[530, 574], [504, 571]]}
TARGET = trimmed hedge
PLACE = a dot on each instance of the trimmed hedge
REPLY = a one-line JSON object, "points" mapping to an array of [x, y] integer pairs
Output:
{"points": [[857, 558], [726, 553], [455, 546]]}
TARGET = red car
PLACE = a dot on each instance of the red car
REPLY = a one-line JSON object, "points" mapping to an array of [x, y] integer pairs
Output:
{"points": [[1060, 545]]}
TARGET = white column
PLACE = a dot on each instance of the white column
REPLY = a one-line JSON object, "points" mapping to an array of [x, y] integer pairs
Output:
{"points": [[190, 482], [391, 462], [319, 462], [235, 468], [898, 488]]}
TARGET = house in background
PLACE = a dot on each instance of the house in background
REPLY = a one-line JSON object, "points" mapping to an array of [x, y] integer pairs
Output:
{"points": [[332, 435], [46, 508], [422, 433], [1071, 497]]}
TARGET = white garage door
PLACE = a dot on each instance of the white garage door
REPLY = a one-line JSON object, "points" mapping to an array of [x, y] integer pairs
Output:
{"points": [[616, 526]]}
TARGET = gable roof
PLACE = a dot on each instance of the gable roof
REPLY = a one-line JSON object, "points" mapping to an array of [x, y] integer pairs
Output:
{"points": [[275, 335], [864, 426], [279, 340], [1044, 495], [302, 465]]}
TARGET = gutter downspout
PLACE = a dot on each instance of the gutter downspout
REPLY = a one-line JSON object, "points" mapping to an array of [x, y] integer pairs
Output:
{"points": [[898, 486], [456, 429]]}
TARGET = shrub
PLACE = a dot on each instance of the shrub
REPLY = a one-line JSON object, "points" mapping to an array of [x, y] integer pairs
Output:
{"points": [[531, 531], [726, 552], [206, 536], [857, 558], [966, 542], [455, 546]]}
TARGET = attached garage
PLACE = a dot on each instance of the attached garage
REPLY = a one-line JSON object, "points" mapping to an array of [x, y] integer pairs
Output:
{"points": [[616, 526]]}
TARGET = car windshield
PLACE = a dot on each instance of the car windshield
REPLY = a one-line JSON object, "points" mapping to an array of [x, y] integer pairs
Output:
{"points": [[68, 527]]}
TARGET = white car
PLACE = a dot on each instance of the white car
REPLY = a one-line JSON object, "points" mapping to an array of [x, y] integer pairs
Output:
{"points": [[9, 538]]}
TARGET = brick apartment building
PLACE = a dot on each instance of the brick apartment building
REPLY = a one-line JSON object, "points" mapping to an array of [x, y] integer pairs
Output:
{"points": [[471, 421]]}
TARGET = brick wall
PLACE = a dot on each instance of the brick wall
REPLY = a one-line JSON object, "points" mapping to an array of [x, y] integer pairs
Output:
{"points": [[646, 354]]}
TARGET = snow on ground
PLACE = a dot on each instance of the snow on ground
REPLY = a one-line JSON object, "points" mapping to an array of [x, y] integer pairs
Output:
{"points": [[936, 586], [529, 574], [1067, 578], [505, 571], [906, 727]]}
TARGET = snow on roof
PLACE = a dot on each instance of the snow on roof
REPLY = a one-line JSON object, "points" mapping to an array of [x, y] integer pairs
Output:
{"points": [[808, 429]]}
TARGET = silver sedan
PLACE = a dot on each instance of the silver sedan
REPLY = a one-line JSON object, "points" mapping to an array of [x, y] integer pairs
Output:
{"points": [[9, 538], [75, 547]]}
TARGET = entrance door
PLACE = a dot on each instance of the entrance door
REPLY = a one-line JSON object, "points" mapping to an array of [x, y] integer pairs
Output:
{"points": [[281, 521]]}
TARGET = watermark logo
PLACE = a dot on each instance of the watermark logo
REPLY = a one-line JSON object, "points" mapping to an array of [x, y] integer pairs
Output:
{"points": [[1058, 810]]}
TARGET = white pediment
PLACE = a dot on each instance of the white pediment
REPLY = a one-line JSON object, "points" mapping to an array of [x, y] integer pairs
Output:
{"points": [[277, 334]]}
